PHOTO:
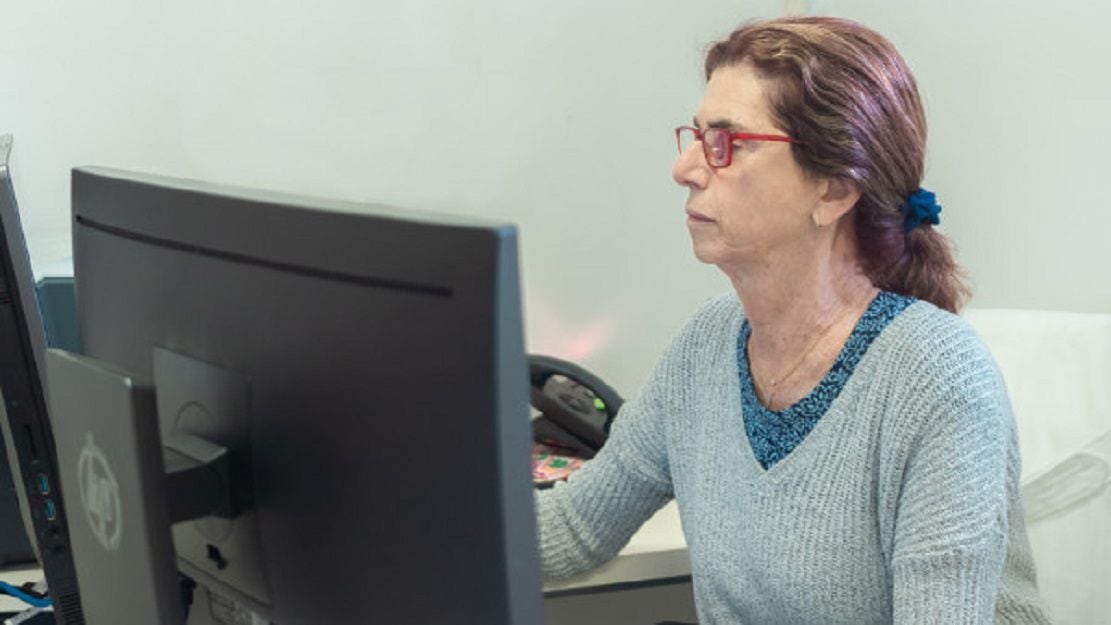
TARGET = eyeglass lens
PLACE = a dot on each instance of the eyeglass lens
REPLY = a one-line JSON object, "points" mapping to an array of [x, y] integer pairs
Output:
{"points": [[715, 144]]}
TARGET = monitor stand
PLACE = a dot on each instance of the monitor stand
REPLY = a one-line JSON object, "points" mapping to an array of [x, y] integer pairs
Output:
{"points": [[124, 490]]}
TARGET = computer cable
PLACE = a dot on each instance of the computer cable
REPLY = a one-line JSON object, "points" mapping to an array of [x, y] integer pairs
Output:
{"points": [[30, 616], [35, 589], [18, 593]]}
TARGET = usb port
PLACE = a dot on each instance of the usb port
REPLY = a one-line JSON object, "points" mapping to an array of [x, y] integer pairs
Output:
{"points": [[51, 511], [44, 484]]}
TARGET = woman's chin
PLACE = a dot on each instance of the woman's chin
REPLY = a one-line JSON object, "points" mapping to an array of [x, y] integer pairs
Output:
{"points": [[704, 253]]}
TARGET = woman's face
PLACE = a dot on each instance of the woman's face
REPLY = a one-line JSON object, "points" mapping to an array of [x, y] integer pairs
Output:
{"points": [[757, 210]]}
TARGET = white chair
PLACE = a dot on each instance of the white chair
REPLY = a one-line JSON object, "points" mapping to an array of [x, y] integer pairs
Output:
{"points": [[1058, 370]]}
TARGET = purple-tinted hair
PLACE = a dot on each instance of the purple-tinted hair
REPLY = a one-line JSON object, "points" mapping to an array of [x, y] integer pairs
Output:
{"points": [[846, 93]]}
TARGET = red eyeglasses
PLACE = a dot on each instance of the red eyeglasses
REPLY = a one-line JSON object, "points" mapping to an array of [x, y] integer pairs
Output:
{"points": [[717, 143]]}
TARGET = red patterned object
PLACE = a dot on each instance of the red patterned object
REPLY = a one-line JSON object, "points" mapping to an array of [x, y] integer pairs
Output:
{"points": [[551, 464]]}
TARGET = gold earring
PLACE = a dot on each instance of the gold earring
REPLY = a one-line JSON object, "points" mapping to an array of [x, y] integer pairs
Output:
{"points": [[817, 223]]}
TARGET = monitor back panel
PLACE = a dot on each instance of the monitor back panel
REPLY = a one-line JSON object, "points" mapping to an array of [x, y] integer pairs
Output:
{"points": [[384, 362]]}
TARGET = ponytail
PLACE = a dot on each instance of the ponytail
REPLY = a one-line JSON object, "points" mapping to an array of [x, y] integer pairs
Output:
{"points": [[926, 269]]}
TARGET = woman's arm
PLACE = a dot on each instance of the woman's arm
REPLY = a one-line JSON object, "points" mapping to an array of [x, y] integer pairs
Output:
{"points": [[584, 522], [952, 520]]}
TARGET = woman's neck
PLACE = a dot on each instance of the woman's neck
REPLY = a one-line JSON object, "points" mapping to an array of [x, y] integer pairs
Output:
{"points": [[792, 302]]}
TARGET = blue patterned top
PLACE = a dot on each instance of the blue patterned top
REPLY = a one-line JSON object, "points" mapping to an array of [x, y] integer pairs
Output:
{"points": [[772, 435]]}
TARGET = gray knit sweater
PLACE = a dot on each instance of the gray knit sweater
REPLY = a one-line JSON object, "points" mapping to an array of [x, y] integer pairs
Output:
{"points": [[902, 505]]}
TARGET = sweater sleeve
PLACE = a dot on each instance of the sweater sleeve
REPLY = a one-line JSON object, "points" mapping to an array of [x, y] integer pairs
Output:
{"points": [[951, 523], [586, 521]]}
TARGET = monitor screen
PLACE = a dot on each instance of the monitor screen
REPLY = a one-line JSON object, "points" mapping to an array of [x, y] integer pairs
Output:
{"points": [[365, 368], [26, 428]]}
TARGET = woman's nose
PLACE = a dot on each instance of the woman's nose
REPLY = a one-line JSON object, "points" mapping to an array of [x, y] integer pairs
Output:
{"points": [[690, 168]]}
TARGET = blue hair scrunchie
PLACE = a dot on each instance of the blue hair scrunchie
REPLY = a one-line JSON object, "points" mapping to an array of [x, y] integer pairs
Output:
{"points": [[921, 207]]}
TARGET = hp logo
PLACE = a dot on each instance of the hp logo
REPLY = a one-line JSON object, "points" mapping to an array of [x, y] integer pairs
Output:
{"points": [[100, 495]]}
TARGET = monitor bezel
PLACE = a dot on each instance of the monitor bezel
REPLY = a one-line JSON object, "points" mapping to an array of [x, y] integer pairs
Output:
{"points": [[27, 423]]}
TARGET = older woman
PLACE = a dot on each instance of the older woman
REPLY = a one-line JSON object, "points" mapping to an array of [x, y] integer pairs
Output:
{"points": [[840, 444]]}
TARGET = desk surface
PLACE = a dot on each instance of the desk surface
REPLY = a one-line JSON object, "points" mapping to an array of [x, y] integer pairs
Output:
{"points": [[657, 551]]}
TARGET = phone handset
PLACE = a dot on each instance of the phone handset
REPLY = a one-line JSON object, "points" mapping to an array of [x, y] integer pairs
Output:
{"points": [[577, 407]]}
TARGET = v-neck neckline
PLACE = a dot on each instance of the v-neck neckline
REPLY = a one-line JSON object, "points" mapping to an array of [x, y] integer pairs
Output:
{"points": [[750, 384], [829, 417]]}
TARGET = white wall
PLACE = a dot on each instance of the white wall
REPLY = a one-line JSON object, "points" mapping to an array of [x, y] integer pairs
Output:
{"points": [[557, 116], [1018, 98]]}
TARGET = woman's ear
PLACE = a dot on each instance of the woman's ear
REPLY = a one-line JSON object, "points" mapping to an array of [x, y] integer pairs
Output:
{"points": [[837, 198]]}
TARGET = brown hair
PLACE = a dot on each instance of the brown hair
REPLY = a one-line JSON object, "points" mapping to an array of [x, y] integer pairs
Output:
{"points": [[845, 92]]}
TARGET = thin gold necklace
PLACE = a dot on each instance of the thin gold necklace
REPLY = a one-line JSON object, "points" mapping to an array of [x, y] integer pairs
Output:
{"points": [[774, 382]]}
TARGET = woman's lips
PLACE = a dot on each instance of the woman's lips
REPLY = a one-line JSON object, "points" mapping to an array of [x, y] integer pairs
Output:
{"points": [[697, 217]]}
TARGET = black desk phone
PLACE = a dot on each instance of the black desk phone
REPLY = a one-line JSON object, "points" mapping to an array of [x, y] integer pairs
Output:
{"points": [[576, 406]]}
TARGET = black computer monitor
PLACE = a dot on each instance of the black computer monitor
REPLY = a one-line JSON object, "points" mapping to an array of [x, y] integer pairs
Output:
{"points": [[26, 429], [363, 366]]}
